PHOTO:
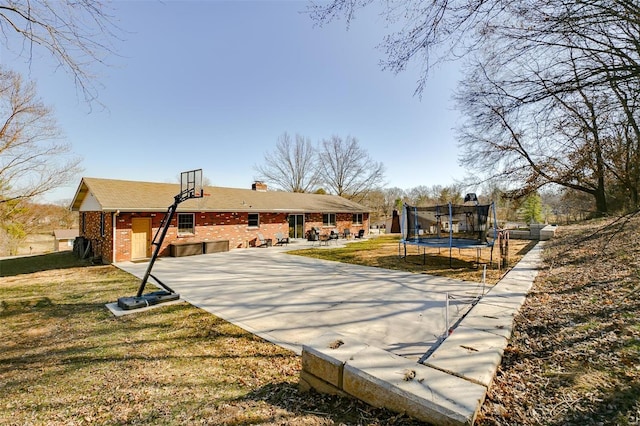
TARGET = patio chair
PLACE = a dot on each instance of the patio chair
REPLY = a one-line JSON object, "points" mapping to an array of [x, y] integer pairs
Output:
{"points": [[333, 236], [360, 234], [263, 242], [346, 234], [312, 235], [324, 239], [281, 239]]}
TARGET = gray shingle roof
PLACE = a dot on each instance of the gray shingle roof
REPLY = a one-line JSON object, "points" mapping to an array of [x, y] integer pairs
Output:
{"points": [[65, 234], [128, 196]]}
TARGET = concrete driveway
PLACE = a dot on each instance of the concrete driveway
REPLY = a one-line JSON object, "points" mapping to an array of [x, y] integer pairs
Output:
{"points": [[291, 300]]}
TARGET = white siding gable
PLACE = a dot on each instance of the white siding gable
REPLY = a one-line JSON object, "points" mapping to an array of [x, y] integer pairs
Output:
{"points": [[90, 204]]}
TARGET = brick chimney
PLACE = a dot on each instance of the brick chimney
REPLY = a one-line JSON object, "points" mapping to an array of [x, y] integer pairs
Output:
{"points": [[259, 186]]}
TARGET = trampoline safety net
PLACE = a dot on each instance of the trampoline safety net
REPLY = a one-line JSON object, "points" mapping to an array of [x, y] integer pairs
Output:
{"points": [[468, 222]]}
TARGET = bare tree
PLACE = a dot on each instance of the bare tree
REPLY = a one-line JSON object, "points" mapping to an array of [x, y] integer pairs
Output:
{"points": [[547, 115], [439, 30], [393, 199], [25, 218], [551, 93], [525, 146], [376, 204], [383, 201], [346, 169], [420, 195], [426, 32], [33, 160], [447, 194], [291, 166], [76, 33]]}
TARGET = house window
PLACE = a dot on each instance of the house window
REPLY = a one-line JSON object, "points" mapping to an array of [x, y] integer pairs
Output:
{"points": [[357, 219], [186, 224], [84, 222], [102, 224], [329, 219], [254, 219]]}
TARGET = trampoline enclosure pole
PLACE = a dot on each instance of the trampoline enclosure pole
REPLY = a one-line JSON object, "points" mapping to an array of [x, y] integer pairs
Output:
{"points": [[404, 229], [495, 221], [450, 233], [403, 221]]}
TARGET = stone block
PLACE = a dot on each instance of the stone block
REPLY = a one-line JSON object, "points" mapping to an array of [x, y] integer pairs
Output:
{"points": [[548, 232], [535, 230], [309, 381], [492, 318], [383, 379], [470, 353], [326, 355], [519, 235]]}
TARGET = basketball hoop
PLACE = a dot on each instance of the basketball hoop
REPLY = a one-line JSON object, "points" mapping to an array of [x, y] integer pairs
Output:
{"points": [[190, 185]]}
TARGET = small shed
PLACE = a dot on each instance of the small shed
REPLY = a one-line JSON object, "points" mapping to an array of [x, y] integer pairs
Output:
{"points": [[64, 238]]}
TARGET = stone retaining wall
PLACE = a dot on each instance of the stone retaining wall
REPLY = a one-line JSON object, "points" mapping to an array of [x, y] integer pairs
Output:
{"points": [[535, 232]]}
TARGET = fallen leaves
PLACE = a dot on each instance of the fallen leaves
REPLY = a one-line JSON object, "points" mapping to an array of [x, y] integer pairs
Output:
{"points": [[575, 342]]}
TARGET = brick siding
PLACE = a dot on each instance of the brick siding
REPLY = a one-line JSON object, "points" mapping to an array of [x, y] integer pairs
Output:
{"points": [[209, 226], [343, 221], [101, 238]]}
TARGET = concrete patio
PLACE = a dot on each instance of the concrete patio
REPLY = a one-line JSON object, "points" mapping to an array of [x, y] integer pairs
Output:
{"points": [[362, 331], [290, 300]]}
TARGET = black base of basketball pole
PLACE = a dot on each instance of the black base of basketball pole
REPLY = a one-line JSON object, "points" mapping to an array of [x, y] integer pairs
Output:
{"points": [[190, 180], [149, 299]]}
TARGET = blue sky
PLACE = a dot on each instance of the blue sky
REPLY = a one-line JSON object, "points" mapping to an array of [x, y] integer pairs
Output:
{"points": [[212, 85]]}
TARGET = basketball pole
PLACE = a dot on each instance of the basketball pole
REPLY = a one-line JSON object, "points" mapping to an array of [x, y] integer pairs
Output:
{"points": [[193, 190], [171, 211], [156, 251]]}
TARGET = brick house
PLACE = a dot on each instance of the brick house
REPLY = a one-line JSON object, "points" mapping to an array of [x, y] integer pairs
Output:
{"points": [[120, 218]]}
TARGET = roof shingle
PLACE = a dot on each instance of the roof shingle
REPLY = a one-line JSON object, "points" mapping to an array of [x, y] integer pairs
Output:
{"points": [[129, 196]]}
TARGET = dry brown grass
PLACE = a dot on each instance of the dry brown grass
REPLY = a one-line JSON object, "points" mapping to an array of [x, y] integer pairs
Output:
{"points": [[65, 360], [385, 252], [574, 355]]}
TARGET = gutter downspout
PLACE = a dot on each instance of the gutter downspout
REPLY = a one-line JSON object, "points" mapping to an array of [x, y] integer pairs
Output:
{"points": [[114, 233]]}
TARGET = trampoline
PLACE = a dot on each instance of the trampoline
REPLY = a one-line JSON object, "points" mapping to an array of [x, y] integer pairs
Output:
{"points": [[450, 226]]}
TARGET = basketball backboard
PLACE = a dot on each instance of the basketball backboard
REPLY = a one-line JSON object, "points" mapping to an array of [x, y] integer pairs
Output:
{"points": [[191, 184]]}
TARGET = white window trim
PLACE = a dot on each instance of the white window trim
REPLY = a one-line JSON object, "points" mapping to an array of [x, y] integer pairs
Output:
{"points": [[248, 221], [103, 225], [329, 223], [193, 222]]}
